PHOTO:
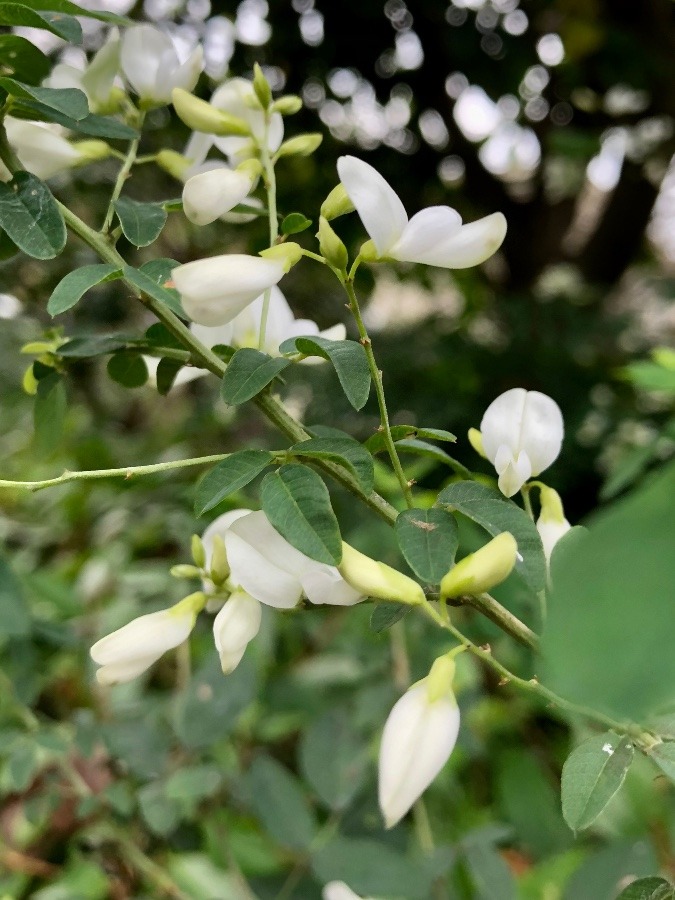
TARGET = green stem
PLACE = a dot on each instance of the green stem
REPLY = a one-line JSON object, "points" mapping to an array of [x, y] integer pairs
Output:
{"points": [[527, 503], [376, 375], [501, 616], [125, 472], [123, 174], [270, 180]]}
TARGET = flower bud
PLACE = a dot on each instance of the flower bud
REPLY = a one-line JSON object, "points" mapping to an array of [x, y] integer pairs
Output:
{"points": [[211, 194], [337, 203], [287, 105], [288, 254], [551, 524], [29, 383], [234, 627], [476, 441], [219, 565], [202, 116], [184, 570], [419, 736], [376, 579], [302, 145], [174, 163], [332, 248], [198, 551], [482, 570], [90, 151], [261, 86]]}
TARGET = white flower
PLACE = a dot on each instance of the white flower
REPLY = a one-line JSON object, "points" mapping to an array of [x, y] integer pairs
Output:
{"points": [[522, 433], [132, 649], [234, 97], [551, 524], [214, 290], [97, 81], [42, 149], [338, 890], [152, 67], [210, 194], [234, 627], [419, 736], [435, 236], [268, 568]]}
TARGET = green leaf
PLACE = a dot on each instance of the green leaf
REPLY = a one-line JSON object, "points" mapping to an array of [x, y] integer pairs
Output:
{"points": [[249, 372], [664, 757], [297, 503], [333, 758], [93, 345], [653, 888], [345, 451], [30, 216], [63, 26], [72, 288], [147, 283], [422, 448], [428, 539], [73, 9], [167, 369], [591, 776], [384, 615], [489, 873], [161, 813], [15, 618], [230, 476], [141, 223], [280, 803], [610, 609], [67, 101], [128, 369], [437, 434], [376, 443], [294, 223], [22, 59], [92, 125], [349, 361], [650, 376], [493, 512], [49, 412]]}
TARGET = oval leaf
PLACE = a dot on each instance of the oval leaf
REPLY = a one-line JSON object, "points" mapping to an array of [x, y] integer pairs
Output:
{"points": [[345, 451], [333, 759], [22, 59], [141, 223], [30, 216], [428, 539], [128, 369], [249, 372], [49, 411], [297, 503], [349, 361], [591, 776], [664, 757], [72, 288], [147, 283], [387, 614], [278, 799], [63, 26], [654, 888], [68, 101], [294, 223], [492, 511], [229, 476]]}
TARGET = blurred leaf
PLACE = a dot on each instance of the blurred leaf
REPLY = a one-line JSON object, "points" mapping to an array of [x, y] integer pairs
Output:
{"points": [[51, 404], [248, 372], [611, 607], [141, 744], [197, 875], [142, 223], [72, 288], [648, 889], [491, 510], [664, 757], [371, 867], [160, 812], [603, 874], [192, 784], [592, 774], [489, 873], [630, 467], [73, 9], [228, 477], [94, 345], [63, 26], [128, 369], [92, 125], [30, 216], [68, 101], [297, 503], [422, 448], [384, 615], [294, 223], [80, 879], [428, 539], [280, 804], [333, 758], [23, 59], [15, 618], [167, 369], [650, 376], [345, 451], [349, 361]]}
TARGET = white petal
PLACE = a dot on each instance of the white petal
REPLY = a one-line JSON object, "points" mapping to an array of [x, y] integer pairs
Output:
{"points": [[502, 422], [41, 148], [417, 740], [378, 205], [220, 526], [324, 584], [424, 232], [338, 890], [550, 533], [542, 430], [64, 76], [211, 194], [280, 322], [196, 150], [470, 245], [186, 76], [236, 624], [101, 72], [215, 290], [118, 673], [142, 49], [513, 473], [257, 530], [147, 636], [335, 332], [259, 577]]}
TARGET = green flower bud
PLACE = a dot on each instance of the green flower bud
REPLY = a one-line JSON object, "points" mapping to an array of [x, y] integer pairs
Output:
{"points": [[482, 570], [337, 203], [172, 162], [368, 252], [476, 441], [193, 603], [90, 151], [198, 552], [261, 86], [440, 678], [331, 246], [220, 568], [287, 105], [184, 570], [287, 253], [376, 579], [302, 145], [201, 116]]}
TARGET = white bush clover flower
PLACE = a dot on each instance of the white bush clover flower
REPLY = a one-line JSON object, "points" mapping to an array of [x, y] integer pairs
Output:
{"points": [[419, 736], [97, 80], [434, 236], [43, 149], [151, 65], [237, 98], [551, 524], [215, 290], [521, 434], [212, 193], [131, 650], [235, 626]]}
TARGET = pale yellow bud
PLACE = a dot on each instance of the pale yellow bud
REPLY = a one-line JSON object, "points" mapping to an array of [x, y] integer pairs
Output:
{"points": [[482, 570], [174, 163], [201, 116], [337, 203], [302, 145], [331, 246], [261, 86], [287, 105], [90, 151], [220, 568], [440, 678], [288, 254], [198, 552], [183, 570], [476, 441], [376, 579], [29, 382]]}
